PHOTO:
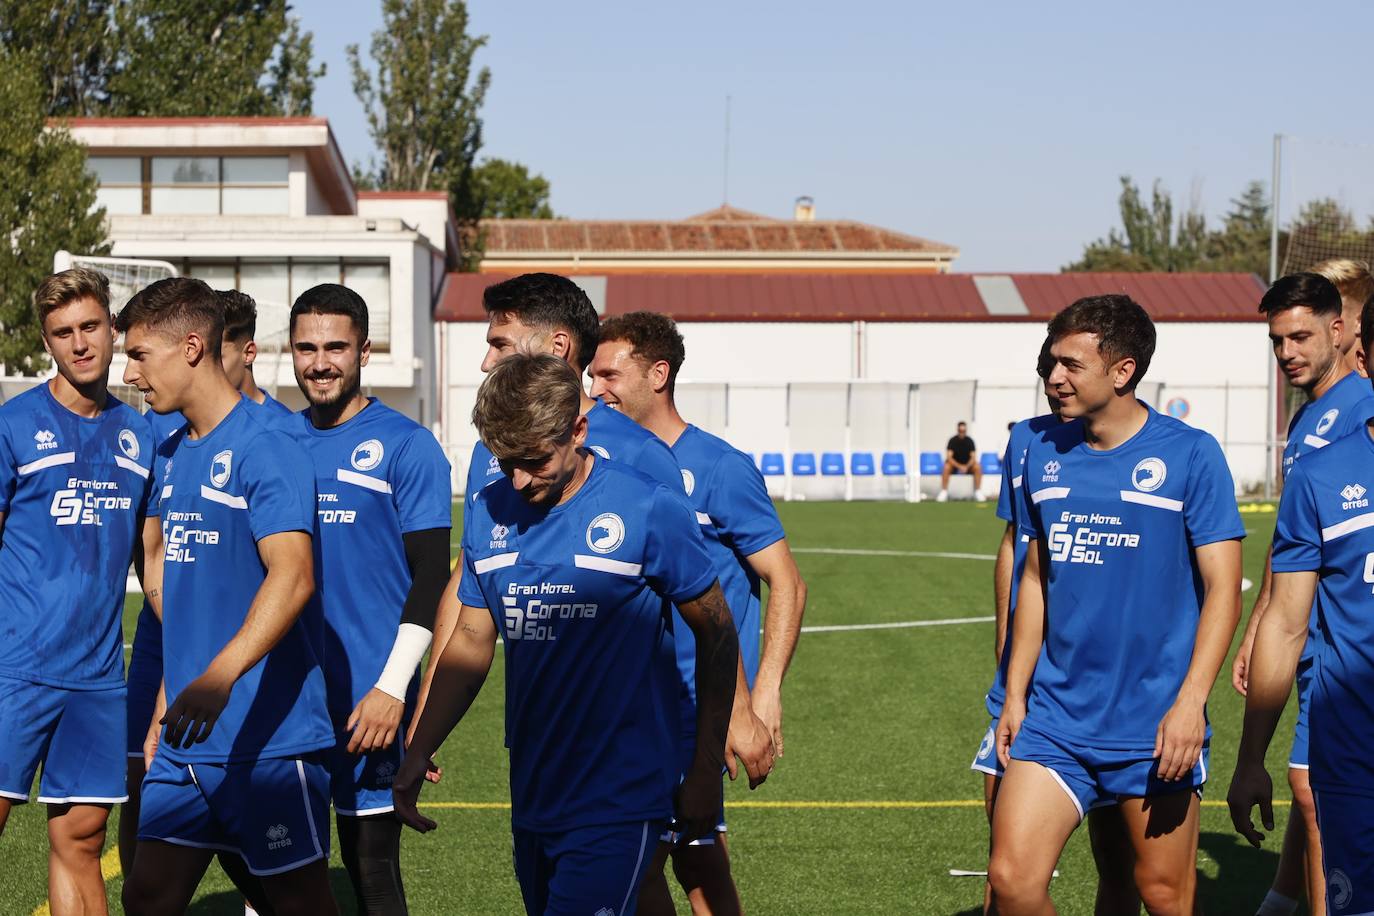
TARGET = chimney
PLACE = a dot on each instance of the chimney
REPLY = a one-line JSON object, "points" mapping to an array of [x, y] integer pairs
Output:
{"points": [[804, 211]]}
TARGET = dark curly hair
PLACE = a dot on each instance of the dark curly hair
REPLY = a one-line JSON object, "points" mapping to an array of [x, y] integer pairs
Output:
{"points": [[1122, 326], [1305, 290], [652, 338], [177, 306], [548, 301]]}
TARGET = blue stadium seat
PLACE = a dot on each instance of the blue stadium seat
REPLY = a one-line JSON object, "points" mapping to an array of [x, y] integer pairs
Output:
{"points": [[803, 464], [861, 464], [832, 464], [992, 463], [931, 464], [894, 464], [772, 464]]}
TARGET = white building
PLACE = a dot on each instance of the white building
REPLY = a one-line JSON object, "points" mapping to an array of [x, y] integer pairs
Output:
{"points": [[266, 205]]}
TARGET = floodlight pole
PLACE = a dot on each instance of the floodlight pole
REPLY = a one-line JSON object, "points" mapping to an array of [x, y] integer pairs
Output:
{"points": [[1270, 423]]}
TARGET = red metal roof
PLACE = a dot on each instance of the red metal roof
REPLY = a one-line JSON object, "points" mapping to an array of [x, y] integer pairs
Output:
{"points": [[250, 121], [717, 232], [885, 296]]}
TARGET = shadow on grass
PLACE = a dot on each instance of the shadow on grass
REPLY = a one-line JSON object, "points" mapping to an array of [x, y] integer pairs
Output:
{"points": [[229, 903], [1243, 873]]}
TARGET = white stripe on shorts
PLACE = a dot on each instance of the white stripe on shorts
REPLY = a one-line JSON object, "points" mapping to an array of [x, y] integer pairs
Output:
{"points": [[643, 844]]}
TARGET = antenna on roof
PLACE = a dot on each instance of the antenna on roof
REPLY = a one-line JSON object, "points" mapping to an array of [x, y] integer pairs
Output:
{"points": [[725, 189]]}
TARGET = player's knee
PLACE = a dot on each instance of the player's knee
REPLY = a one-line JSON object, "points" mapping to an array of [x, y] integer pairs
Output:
{"points": [[1163, 894], [701, 866], [144, 897], [1009, 884], [78, 832]]}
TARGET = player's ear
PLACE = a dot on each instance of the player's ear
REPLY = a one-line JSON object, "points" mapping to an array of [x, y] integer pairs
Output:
{"points": [[1361, 364], [579, 433], [250, 353], [193, 348], [658, 374], [364, 353], [1125, 368], [562, 345]]}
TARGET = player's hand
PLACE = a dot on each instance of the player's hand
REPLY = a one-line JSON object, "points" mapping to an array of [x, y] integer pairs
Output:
{"points": [[374, 722], [1008, 727], [1250, 786], [1179, 738], [749, 740], [193, 714], [1240, 668], [433, 772], [150, 743], [697, 805], [768, 707], [405, 793]]}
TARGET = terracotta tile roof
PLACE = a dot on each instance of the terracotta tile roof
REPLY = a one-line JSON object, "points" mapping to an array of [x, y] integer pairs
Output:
{"points": [[888, 296], [723, 231]]}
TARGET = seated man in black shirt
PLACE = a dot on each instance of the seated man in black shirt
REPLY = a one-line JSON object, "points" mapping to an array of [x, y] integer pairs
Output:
{"points": [[961, 457]]}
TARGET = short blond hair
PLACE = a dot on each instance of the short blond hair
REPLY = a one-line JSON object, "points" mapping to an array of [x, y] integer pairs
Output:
{"points": [[526, 403], [1352, 278], [66, 287]]}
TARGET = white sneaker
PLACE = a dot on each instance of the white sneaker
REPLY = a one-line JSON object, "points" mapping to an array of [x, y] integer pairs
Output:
{"points": [[979, 497], [943, 497]]}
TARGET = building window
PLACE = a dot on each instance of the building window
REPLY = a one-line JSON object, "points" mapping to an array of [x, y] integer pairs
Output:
{"points": [[121, 183], [193, 185], [274, 283]]}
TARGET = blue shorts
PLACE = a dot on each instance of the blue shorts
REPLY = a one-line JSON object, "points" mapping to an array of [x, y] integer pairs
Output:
{"points": [[1346, 824], [986, 760], [1095, 777], [1297, 759], [360, 784], [273, 812], [689, 750], [584, 871], [144, 679], [77, 735]]}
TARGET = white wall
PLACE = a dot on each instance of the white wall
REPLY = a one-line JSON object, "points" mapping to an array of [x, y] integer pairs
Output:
{"points": [[1220, 369]]}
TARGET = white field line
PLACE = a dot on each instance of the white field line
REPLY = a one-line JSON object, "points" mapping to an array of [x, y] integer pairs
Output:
{"points": [[854, 552], [899, 625]]}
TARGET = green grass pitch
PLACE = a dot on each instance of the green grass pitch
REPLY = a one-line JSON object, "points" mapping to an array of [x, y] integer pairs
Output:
{"points": [[890, 715]]}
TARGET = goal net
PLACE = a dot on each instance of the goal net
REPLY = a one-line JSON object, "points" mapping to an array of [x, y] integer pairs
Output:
{"points": [[1326, 202]]}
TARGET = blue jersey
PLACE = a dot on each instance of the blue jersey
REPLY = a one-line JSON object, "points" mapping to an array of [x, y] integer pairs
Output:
{"points": [[580, 596], [737, 518], [73, 490], [1009, 510], [1119, 528], [378, 476], [272, 404], [221, 494], [1339, 412], [610, 434], [1342, 410], [1326, 526]]}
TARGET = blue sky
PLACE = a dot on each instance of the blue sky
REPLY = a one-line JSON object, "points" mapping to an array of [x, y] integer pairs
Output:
{"points": [[998, 127]]}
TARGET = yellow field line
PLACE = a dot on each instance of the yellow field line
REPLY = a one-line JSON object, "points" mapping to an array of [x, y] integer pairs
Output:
{"points": [[808, 805], [109, 868]]}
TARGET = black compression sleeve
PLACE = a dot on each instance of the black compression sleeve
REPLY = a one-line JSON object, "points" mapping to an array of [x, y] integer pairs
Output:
{"points": [[427, 557]]}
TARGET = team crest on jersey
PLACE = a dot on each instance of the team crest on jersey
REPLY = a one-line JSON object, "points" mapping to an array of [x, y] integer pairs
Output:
{"points": [[1353, 496], [604, 911], [600, 451], [689, 481], [498, 537], [1149, 475], [128, 443], [45, 440], [606, 532], [221, 467], [1339, 889], [367, 455], [1327, 421], [1051, 472]]}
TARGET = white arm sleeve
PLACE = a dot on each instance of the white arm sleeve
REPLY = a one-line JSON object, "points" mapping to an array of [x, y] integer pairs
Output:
{"points": [[412, 640]]}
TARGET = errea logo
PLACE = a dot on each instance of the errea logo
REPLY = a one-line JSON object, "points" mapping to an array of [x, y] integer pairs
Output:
{"points": [[1353, 494], [1051, 472], [45, 439], [498, 536], [277, 837]]}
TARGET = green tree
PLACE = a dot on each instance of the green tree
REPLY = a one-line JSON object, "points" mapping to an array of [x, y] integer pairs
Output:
{"points": [[507, 190], [1242, 243], [208, 58], [1147, 240], [423, 95], [71, 43], [47, 203]]}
